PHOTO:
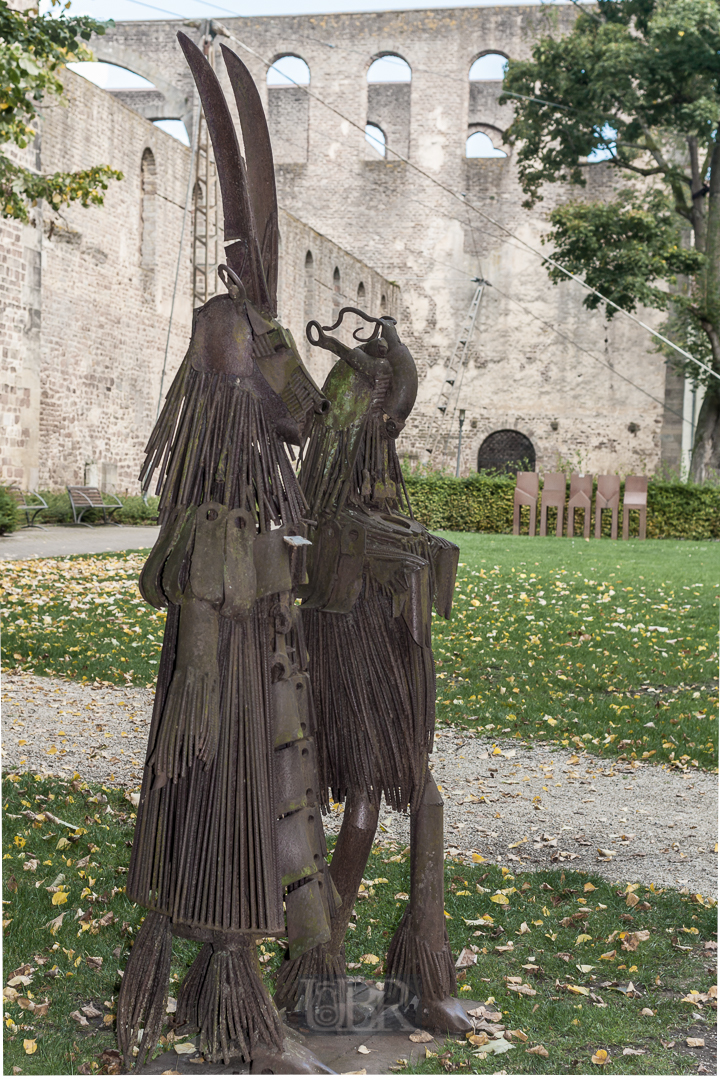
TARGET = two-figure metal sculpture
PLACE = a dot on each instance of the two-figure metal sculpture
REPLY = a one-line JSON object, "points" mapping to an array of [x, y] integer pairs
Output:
{"points": [[228, 844]]}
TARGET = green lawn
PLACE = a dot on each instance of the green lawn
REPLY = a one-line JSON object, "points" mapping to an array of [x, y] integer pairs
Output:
{"points": [[570, 1010], [586, 643]]}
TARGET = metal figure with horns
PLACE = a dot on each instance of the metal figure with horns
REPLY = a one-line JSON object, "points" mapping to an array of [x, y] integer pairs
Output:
{"points": [[374, 573], [228, 843]]}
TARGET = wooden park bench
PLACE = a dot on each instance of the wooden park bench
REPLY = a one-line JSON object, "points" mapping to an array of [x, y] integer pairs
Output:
{"points": [[83, 499], [32, 503]]}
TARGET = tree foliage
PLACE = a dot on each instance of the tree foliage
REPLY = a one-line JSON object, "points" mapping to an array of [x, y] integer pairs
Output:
{"points": [[637, 83], [625, 249], [33, 50]]}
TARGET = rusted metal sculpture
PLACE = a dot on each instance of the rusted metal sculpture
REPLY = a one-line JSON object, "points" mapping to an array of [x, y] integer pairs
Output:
{"points": [[229, 829], [373, 575]]}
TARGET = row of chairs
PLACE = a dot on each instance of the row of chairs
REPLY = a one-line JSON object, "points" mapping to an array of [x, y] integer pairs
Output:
{"points": [[581, 488]]}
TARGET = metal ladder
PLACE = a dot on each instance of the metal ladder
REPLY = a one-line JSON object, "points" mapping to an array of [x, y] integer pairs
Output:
{"points": [[449, 395], [207, 248]]}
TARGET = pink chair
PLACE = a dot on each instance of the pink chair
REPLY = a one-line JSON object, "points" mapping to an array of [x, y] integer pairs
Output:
{"points": [[607, 498], [526, 494], [553, 494], [581, 485], [635, 499]]}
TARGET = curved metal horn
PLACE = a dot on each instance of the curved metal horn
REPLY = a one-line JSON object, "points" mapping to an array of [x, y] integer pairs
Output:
{"points": [[259, 163], [242, 249]]}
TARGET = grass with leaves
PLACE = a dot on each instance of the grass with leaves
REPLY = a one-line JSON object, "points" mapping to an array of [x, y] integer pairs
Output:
{"points": [[555, 951], [602, 645]]}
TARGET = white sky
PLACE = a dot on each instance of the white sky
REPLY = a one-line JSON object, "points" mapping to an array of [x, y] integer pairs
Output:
{"points": [[193, 9]]}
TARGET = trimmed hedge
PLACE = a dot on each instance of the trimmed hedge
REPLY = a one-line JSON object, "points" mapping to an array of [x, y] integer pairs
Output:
{"points": [[484, 503], [8, 512]]}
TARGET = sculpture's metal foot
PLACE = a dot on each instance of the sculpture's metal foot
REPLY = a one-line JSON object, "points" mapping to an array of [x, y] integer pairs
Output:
{"points": [[447, 1016], [293, 1059]]}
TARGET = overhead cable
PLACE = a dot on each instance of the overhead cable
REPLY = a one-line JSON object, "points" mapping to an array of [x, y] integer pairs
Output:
{"points": [[498, 225]]}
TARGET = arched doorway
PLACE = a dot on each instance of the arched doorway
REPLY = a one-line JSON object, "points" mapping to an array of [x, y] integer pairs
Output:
{"points": [[506, 451]]}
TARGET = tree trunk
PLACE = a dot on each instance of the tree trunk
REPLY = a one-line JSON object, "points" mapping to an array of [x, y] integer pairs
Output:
{"points": [[706, 448]]}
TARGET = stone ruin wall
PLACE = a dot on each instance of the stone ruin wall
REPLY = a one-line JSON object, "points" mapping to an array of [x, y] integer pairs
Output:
{"points": [[86, 296], [85, 299], [522, 373], [85, 313]]}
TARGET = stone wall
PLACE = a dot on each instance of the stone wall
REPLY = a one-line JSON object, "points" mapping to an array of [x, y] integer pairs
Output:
{"points": [[549, 367], [317, 279], [85, 330], [85, 299]]}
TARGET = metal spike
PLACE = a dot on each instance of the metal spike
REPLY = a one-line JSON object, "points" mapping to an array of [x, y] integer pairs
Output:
{"points": [[243, 254]]}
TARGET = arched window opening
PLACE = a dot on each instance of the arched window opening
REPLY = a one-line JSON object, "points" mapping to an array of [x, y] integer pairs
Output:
{"points": [[480, 145], [309, 311], [288, 71], [337, 295], [110, 76], [289, 109], [383, 303], [361, 293], [375, 136], [148, 211], [176, 128], [389, 96], [389, 68], [506, 451], [489, 68]]}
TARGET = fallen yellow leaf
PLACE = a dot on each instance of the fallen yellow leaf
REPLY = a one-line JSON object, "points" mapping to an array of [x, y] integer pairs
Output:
{"points": [[498, 898], [369, 958], [539, 1050], [599, 1057], [30, 1046], [59, 897], [588, 887]]}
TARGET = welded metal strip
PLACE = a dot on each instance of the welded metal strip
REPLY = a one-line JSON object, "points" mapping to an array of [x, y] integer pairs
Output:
{"points": [[260, 168], [243, 254]]}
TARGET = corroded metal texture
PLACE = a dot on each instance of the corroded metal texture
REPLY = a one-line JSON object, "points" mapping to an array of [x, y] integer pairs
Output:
{"points": [[374, 573], [228, 830]]}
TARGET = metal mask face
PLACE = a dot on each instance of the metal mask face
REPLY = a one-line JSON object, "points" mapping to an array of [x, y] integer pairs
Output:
{"points": [[279, 360]]}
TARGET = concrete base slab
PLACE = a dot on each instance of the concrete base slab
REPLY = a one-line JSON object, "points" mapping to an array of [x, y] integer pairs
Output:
{"points": [[338, 1051]]}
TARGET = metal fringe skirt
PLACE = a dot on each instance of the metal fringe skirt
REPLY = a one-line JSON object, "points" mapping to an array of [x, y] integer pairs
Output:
{"points": [[205, 850], [374, 692]]}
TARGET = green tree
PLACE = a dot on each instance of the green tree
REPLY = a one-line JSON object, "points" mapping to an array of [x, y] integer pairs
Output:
{"points": [[638, 82], [33, 50]]}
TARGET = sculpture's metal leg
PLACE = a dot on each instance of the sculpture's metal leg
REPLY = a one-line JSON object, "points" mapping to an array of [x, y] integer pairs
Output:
{"points": [[420, 951], [348, 866], [350, 859]]}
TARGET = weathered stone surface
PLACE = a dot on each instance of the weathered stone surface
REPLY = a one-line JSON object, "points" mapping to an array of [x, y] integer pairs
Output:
{"points": [[82, 351]]}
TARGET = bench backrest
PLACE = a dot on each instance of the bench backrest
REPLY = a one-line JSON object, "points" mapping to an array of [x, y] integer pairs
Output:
{"points": [[581, 483], [85, 496], [554, 482], [608, 486], [528, 483], [635, 491]]}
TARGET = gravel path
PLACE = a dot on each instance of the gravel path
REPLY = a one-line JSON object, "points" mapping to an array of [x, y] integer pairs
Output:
{"points": [[511, 803], [56, 540]]}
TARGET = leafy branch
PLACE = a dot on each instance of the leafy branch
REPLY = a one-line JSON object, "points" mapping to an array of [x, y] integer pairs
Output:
{"points": [[34, 49]]}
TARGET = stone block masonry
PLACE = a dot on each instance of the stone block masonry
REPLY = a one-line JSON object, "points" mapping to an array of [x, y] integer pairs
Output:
{"points": [[529, 366], [86, 294]]}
